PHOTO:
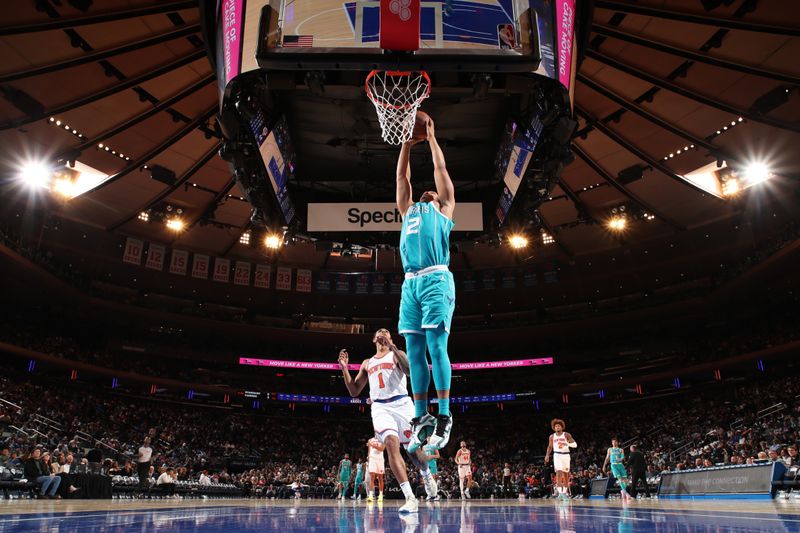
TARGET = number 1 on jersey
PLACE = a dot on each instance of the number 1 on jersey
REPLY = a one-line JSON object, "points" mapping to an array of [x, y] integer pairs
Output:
{"points": [[380, 380]]}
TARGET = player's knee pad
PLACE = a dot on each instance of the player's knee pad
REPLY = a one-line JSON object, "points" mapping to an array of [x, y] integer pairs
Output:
{"points": [[437, 345], [416, 347]]}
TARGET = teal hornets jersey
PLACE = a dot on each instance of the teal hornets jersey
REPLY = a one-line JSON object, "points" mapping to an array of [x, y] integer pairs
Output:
{"points": [[430, 450], [424, 237], [617, 455]]}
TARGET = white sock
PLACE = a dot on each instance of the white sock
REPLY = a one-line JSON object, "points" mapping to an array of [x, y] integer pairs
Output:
{"points": [[407, 492], [461, 485]]}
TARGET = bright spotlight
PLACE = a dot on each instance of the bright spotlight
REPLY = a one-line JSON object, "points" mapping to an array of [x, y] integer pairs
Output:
{"points": [[273, 241], [617, 223], [547, 238], [518, 241], [730, 187], [65, 187], [175, 224], [35, 174], [756, 173]]}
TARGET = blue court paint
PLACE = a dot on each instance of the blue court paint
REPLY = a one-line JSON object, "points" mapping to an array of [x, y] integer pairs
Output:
{"points": [[358, 517], [467, 22]]}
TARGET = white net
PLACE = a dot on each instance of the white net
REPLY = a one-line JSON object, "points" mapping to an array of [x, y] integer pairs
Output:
{"points": [[397, 96]]}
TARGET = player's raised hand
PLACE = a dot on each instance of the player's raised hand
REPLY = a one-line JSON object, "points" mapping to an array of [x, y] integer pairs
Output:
{"points": [[344, 358], [430, 128]]}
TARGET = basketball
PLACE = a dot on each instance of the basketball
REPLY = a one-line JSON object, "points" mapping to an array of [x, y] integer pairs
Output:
{"points": [[421, 126]]}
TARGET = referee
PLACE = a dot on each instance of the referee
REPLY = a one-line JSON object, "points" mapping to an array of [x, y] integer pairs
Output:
{"points": [[638, 467], [143, 462]]}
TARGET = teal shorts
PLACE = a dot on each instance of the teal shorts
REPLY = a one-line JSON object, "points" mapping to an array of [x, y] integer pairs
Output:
{"points": [[432, 467], [358, 481], [619, 471], [344, 477], [427, 302]]}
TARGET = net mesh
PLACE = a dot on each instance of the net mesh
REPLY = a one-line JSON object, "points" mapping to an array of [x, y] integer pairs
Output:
{"points": [[397, 96]]}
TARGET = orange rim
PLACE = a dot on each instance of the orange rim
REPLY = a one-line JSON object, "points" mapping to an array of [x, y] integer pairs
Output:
{"points": [[383, 104]]}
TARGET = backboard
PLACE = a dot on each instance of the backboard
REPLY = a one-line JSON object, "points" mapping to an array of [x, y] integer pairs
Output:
{"points": [[346, 35]]}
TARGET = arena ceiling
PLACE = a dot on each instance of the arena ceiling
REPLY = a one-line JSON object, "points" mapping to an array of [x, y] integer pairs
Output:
{"points": [[125, 86]]}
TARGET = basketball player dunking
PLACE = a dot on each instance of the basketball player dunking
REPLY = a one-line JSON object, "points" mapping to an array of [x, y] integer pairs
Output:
{"points": [[464, 461], [392, 409], [559, 445], [428, 297], [375, 468]]}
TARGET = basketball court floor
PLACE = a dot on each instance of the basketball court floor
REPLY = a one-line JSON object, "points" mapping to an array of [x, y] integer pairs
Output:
{"points": [[463, 517]]}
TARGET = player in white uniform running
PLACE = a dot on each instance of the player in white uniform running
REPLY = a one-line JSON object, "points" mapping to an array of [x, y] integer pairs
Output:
{"points": [[464, 461], [559, 445], [375, 468], [392, 409]]}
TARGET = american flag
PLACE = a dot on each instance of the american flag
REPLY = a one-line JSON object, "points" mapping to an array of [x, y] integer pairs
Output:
{"points": [[298, 41]]}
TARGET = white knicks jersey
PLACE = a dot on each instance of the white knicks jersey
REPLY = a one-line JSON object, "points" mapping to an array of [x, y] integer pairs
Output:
{"points": [[386, 380], [560, 443], [375, 454]]}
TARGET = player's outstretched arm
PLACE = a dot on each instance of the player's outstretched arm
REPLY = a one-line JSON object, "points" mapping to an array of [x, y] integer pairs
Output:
{"points": [[608, 458], [404, 194], [354, 386], [444, 185]]}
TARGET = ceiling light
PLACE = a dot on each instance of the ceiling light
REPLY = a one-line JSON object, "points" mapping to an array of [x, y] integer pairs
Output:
{"points": [[547, 238], [518, 241], [144, 216], [756, 172], [617, 223], [273, 241], [64, 187], [730, 187], [35, 174], [244, 238], [175, 224]]}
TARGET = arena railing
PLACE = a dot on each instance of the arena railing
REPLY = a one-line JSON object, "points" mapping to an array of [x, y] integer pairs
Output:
{"points": [[763, 413]]}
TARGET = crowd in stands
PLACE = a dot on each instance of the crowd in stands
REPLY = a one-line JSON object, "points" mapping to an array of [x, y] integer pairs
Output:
{"points": [[681, 431]]}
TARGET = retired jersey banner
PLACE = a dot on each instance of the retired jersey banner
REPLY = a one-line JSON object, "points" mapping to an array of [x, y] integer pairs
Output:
{"points": [[179, 262], [222, 270], [323, 282], [155, 257], [396, 284], [200, 266], [283, 279], [241, 275], [489, 279], [263, 274], [381, 216], [133, 251], [303, 282], [529, 277], [509, 279], [342, 283], [362, 284], [470, 283], [378, 284]]}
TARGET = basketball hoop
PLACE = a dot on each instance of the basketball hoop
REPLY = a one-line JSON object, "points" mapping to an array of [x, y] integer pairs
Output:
{"points": [[397, 95]]}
